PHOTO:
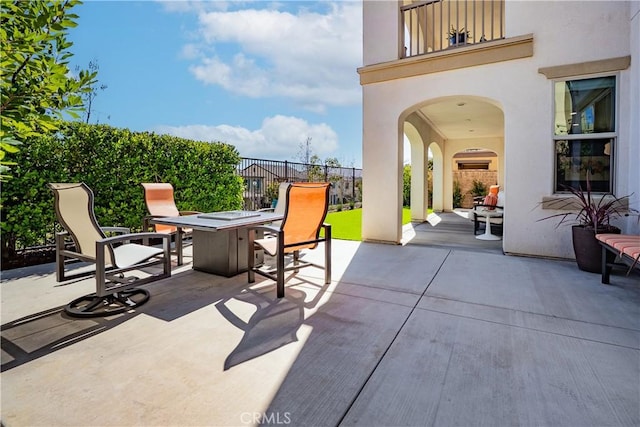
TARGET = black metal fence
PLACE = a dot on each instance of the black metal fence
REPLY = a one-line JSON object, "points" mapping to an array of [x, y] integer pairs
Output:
{"points": [[263, 177]]}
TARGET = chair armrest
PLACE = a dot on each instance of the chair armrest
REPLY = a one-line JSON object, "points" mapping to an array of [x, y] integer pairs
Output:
{"points": [[482, 212], [62, 237], [183, 213], [146, 225], [481, 205], [266, 210], [134, 236], [267, 228], [116, 230], [327, 230]]}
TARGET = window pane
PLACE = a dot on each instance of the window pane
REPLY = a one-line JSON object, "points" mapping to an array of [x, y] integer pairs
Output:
{"points": [[585, 106], [574, 158]]}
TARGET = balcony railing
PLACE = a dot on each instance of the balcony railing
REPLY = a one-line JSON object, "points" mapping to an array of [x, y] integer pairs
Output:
{"points": [[438, 25]]}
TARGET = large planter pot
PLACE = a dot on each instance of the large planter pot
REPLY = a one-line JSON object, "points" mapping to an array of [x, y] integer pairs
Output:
{"points": [[587, 249]]}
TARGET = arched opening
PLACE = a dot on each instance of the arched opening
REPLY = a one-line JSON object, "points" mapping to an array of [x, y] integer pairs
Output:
{"points": [[419, 172], [474, 170], [465, 138]]}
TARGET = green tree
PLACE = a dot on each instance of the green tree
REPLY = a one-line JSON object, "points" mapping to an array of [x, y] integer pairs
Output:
{"points": [[478, 188], [406, 185], [457, 194], [315, 171], [305, 152], [430, 182], [36, 84], [332, 162], [90, 96]]}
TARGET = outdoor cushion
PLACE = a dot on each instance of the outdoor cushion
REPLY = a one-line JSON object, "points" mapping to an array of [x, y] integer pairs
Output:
{"points": [[623, 243], [626, 247], [490, 201]]}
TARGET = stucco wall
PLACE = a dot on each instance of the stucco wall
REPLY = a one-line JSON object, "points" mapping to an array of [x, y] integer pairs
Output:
{"points": [[594, 31], [633, 222], [380, 20]]}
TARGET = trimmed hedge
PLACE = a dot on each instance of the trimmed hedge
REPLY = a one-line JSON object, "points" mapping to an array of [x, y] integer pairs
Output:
{"points": [[112, 162]]}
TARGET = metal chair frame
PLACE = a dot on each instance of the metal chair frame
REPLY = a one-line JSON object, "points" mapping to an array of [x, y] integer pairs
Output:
{"points": [[290, 248], [115, 293]]}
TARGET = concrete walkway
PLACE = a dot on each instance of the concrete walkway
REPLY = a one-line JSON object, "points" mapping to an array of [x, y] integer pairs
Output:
{"points": [[404, 335]]}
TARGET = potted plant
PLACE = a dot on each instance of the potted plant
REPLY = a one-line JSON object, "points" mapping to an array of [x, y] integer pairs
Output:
{"points": [[458, 36], [478, 191], [592, 217]]}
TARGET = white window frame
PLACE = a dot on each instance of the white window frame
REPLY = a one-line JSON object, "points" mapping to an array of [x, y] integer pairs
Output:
{"points": [[602, 135]]}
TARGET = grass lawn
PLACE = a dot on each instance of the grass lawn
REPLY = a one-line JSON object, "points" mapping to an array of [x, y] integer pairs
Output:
{"points": [[347, 225]]}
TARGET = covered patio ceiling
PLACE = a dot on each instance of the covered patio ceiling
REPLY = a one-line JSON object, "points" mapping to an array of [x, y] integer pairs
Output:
{"points": [[464, 117]]}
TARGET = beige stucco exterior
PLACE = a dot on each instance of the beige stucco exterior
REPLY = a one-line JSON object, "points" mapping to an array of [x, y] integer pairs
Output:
{"points": [[589, 38]]}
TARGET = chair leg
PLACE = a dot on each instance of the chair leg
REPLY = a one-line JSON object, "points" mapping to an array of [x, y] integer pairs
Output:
{"points": [[280, 274], [101, 275], [179, 245], [327, 255], [251, 275], [606, 269], [59, 258], [166, 246], [280, 265], [296, 260]]}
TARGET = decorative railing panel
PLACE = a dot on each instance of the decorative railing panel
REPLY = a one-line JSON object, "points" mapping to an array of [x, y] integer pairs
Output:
{"points": [[438, 25]]}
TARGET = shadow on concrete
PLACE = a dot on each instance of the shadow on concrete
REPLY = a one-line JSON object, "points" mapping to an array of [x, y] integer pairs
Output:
{"points": [[450, 230]]}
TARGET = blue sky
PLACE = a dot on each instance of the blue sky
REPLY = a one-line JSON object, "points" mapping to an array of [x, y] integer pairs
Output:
{"points": [[263, 76]]}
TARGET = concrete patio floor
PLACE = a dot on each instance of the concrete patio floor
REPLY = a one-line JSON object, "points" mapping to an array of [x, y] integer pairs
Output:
{"points": [[404, 335]]}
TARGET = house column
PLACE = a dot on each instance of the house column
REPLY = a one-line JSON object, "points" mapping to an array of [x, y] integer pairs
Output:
{"points": [[382, 145], [419, 199], [438, 178], [419, 188]]}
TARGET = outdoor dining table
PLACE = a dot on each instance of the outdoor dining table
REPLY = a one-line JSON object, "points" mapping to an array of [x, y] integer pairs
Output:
{"points": [[219, 239], [488, 235]]}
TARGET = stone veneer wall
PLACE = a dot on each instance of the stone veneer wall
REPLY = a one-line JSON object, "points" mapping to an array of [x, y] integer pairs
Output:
{"points": [[466, 178]]}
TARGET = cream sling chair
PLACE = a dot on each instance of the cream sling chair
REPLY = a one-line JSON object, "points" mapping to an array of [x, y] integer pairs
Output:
{"points": [[112, 256], [280, 205]]}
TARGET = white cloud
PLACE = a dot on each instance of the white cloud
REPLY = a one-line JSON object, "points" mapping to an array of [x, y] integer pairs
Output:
{"points": [[278, 138], [190, 51], [309, 57], [185, 6]]}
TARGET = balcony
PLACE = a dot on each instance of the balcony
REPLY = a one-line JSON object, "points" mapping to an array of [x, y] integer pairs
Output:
{"points": [[439, 25]]}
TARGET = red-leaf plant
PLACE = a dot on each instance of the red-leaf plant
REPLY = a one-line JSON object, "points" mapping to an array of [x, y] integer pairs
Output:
{"points": [[593, 214]]}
